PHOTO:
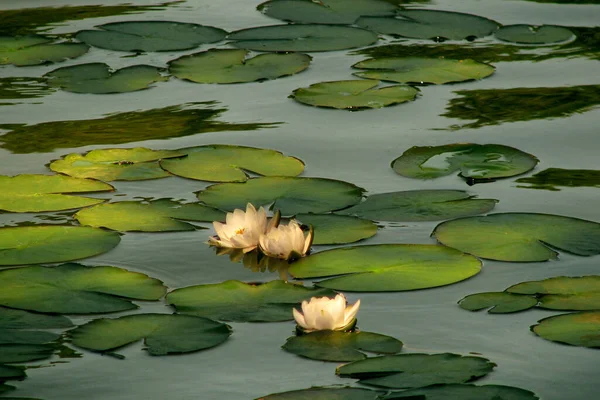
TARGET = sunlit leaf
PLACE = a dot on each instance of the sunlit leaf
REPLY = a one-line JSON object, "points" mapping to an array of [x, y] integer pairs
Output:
{"points": [[34, 50], [544, 34], [334, 393], [579, 293], [338, 229], [550, 178], [577, 329], [465, 392], [497, 302]]}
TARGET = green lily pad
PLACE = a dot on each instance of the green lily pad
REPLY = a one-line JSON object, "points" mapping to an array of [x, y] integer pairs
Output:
{"points": [[338, 229], [20, 319], [420, 205], [466, 392], [35, 50], [550, 178], [97, 78], [419, 70], [6, 388], [162, 333], [498, 302], [325, 11], [20, 353], [52, 243], [34, 193], [243, 302], [290, 195], [577, 329], [76, 289], [406, 371], [234, 66], [8, 372], [341, 346], [522, 237], [334, 393], [431, 24], [150, 36], [302, 38], [475, 162], [544, 34], [162, 215], [226, 163], [579, 293], [353, 94], [132, 164], [387, 267]]}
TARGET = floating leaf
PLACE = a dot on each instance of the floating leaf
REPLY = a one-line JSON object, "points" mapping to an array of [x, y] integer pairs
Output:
{"points": [[476, 162], [405, 371], [8, 372], [302, 38], [52, 243], [387, 267], [577, 329], [420, 205], [97, 78], [465, 392], [20, 319], [226, 163], [133, 164], [162, 333], [20, 353], [353, 94], [334, 393], [35, 50], [162, 215], [550, 178], [150, 36], [6, 388], [580, 293], [76, 289], [243, 302], [544, 34], [233, 66], [497, 302], [338, 229], [290, 195], [341, 346], [522, 237]]}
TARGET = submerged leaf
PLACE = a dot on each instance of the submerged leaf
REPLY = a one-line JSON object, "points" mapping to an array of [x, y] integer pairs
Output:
{"points": [[35, 50]]}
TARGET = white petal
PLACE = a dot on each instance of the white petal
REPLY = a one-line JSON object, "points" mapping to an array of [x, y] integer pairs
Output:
{"points": [[351, 311], [309, 240], [324, 320], [300, 318]]}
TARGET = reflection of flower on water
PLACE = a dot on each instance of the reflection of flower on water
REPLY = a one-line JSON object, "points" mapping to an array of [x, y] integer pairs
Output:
{"points": [[256, 261], [323, 313]]}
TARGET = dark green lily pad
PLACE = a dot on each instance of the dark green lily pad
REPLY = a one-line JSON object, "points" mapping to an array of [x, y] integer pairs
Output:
{"points": [[6, 388], [353, 94], [465, 392], [498, 302], [162, 333], [20, 319], [387, 267], [431, 24], [290, 195], [243, 302], [334, 393], [162, 215], [550, 178], [97, 78], [150, 36], [302, 38], [475, 162], [234, 66], [20, 353], [76, 289], [577, 329], [133, 164], [338, 229], [420, 205], [544, 34], [226, 163], [579, 293], [419, 70], [52, 243], [8, 372], [341, 346], [522, 237], [35, 193], [35, 50], [406, 371]]}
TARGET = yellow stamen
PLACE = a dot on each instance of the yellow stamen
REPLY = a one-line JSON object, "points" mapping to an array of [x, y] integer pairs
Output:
{"points": [[240, 231]]}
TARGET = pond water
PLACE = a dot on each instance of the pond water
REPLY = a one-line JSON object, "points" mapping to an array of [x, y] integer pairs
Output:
{"points": [[356, 147]]}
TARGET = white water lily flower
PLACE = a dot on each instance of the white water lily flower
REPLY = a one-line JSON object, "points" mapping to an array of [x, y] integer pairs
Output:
{"points": [[241, 230], [323, 313], [286, 241]]}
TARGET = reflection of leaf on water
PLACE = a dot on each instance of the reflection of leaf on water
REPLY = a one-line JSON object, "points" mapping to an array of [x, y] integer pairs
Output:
{"points": [[497, 106], [567, 1], [159, 123], [23, 88], [549, 178]]}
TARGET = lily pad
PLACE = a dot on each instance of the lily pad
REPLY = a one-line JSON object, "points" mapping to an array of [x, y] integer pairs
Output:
{"points": [[150, 36], [20, 319], [8, 372], [97, 78], [333, 393], [34, 193], [353, 94], [243, 302], [498, 302], [325, 11], [302, 38], [76, 289], [290, 195], [550, 178], [20, 353], [133, 164], [338, 229], [162, 333], [577, 329], [580, 293], [226, 163], [431, 24], [522, 237], [544, 34], [406, 371], [35, 50], [387, 267], [475, 162], [162, 215], [420, 205], [234, 66], [52, 243], [466, 392], [419, 70], [341, 346], [6, 388]]}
